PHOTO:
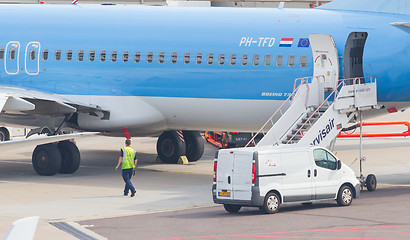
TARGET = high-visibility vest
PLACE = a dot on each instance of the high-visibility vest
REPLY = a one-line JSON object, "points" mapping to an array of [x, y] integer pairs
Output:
{"points": [[128, 155]]}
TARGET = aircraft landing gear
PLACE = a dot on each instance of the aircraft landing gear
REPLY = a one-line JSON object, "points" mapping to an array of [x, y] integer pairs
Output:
{"points": [[70, 157], [46, 159], [194, 145], [170, 146], [49, 159]]}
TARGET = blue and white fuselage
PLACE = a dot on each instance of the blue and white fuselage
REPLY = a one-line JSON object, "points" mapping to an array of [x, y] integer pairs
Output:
{"points": [[149, 84]]}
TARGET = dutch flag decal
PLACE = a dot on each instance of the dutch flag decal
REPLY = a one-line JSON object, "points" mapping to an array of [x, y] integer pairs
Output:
{"points": [[286, 42]]}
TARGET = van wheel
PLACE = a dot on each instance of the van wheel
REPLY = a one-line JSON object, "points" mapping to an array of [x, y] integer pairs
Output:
{"points": [[371, 182], [345, 196], [232, 208], [271, 203]]}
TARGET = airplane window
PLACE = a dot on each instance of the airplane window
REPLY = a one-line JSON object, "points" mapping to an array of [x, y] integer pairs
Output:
{"points": [[103, 55], [233, 59], [12, 54], [113, 56], [32, 54], [125, 56], [291, 60], [80, 55], [137, 57], [244, 59], [187, 57], [221, 58], [58, 55], [150, 57], [255, 59], [267, 60], [69, 55], [210, 58], [303, 60], [198, 58], [91, 56], [161, 57], [1, 53], [279, 60], [45, 54], [174, 57]]}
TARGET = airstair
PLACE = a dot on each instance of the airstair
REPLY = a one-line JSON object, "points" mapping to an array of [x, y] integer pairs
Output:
{"points": [[315, 116], [320, 106]]}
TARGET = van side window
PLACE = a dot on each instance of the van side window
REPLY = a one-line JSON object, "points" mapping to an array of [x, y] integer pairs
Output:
{"points": [[91, 56], [174, 57], [137, 57], [303, 60], [69, 56], [244, 59], [103, 55], [187, 57], [58, 55], [45, 54], [324, 159], [125, 56], [279, 59], [198, 58], [161, 57], [233, 59], [266, 61], [80, 55], [255, 59], [1, 53], [210, 58], [221, 58], [291, 60], [113, 56]]}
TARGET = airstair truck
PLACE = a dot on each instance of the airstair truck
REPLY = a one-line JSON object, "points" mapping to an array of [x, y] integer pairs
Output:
{"points": [[291, 162]]}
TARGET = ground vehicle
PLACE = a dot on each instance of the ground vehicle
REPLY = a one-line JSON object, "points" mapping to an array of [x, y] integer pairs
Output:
{"points": [[266, 177], [229, 139], [7, 133]]}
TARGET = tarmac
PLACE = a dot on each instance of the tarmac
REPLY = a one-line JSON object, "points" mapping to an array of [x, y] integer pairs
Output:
{"points": [[80, 203]]}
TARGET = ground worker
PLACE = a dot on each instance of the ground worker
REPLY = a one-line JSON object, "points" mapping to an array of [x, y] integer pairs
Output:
{"points": [[128, 161]]}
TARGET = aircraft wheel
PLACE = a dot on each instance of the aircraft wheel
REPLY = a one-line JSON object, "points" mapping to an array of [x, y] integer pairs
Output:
{"points": [[231, 208], [371, 182], [4, 135], [170, 147], [70, 157], [46, 159], [194, 145]]}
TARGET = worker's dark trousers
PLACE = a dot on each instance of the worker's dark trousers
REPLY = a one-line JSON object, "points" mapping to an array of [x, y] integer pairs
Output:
{"points": [[126, 175]]}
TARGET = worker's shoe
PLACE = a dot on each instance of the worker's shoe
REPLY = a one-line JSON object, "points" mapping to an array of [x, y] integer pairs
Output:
{"points": [[133, 193]]}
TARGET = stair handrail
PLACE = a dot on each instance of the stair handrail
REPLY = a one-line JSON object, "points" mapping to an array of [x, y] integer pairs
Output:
{"points": [[335, 91], [304, 80]]}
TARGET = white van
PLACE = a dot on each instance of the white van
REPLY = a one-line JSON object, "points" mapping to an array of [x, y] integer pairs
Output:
{"points": [[266, 177]]}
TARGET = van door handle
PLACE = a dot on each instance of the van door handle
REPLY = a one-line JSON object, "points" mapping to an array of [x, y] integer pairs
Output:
{"points": [[309, 173], [315, 173], [229, 179]]}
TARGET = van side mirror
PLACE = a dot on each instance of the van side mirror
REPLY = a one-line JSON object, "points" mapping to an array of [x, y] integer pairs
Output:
{"points": [[339, 164]]}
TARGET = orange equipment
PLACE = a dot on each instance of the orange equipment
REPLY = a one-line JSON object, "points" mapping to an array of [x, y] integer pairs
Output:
{"points": [[403, 134]]}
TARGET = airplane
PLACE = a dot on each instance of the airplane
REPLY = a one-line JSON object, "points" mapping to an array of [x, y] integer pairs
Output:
{"points": [[172, 72]]}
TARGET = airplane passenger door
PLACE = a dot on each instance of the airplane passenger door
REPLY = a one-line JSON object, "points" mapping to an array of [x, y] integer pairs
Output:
{"points": [[32, 58], [353, 55], [325, 59], [11, 58]]}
